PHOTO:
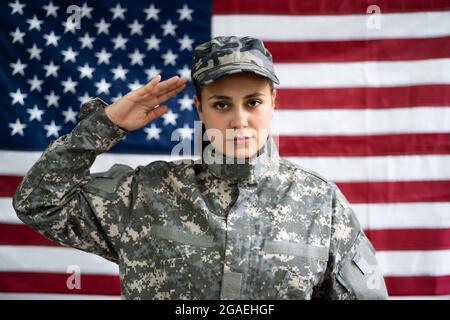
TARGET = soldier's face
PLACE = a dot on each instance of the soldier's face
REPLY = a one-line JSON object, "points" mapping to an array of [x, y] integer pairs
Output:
{"points": [[237, 111]]}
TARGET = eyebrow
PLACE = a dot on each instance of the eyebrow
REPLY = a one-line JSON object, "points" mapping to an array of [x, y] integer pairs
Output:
{"points": [[251, 95]]}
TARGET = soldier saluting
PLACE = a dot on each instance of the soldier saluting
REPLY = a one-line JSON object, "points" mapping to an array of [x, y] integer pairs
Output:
{"points": [[258, 228]]}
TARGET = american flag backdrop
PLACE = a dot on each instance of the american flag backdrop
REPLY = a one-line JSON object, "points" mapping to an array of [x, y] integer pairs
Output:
{"points": [[364, 100]]}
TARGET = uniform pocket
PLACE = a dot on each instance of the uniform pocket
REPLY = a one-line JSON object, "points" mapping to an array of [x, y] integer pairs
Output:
{"points": [[295, 268], [176, 285]]}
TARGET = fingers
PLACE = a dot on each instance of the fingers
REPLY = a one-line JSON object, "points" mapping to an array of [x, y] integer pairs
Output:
{"points": [[155, 113], [157, 88], [169, 94]]}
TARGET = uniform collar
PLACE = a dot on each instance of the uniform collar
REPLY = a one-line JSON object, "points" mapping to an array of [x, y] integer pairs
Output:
{"points": [[249, 170]]}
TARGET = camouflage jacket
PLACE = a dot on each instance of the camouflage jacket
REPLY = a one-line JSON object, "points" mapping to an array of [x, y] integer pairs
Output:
{"points": [[268, 229]]}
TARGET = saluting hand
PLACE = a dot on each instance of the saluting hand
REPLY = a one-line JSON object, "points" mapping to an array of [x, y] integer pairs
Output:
{"points": [[137, 108]]}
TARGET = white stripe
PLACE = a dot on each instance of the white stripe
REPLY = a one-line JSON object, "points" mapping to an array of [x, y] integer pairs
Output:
{"points": [[342, 169], [340, 27], [403, 215], [54, 296], [53, 259], [371, 216], [414, 263], [379, 168], [363, 74], [47, 259], [7, 213], [361, 122]]}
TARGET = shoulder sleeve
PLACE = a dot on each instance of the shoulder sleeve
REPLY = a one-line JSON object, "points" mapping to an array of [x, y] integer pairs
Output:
{"points": [[353, 271], [59, 197]]}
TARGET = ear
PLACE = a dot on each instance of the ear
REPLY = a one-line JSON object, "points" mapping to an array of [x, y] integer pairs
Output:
{"points": [[274, 97], [198, 107]]}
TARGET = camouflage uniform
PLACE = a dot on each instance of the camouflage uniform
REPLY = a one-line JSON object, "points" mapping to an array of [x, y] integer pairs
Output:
{"points": [[263, 229]]}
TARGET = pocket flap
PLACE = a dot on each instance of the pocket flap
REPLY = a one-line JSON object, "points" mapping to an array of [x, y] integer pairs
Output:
{"points": [[182, 237], [296, 249]]}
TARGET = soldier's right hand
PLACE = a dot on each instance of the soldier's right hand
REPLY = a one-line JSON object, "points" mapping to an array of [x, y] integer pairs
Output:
{"points": [[137, 108]]}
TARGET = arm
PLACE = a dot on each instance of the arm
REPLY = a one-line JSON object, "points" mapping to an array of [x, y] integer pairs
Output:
{"points": [[352, 271], [60, 199]]}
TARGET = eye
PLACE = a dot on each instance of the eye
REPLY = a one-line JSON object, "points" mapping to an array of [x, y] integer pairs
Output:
{"points": [[220, 106], [254, 103]]}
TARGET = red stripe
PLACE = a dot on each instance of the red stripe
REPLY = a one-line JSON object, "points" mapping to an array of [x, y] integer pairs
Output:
{"points": [[370, 145], [29, 282], [323, 7], [359, 50], [399, 191], [8, 185], [21, 234], [381, 192], [37, 282], [364, 97], [410, 239], [386, 239], [418, 286]]}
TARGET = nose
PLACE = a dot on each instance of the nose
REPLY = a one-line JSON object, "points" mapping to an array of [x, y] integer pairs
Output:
{"points": [[239, 118]]}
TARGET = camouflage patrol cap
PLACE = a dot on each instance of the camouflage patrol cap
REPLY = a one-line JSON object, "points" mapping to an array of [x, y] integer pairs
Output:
{"points": [[227, 55]]}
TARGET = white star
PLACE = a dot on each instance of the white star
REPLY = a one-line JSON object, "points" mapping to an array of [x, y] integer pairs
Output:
{"points": [[16, 7], [35, 83], [136, 27], [136, 57], [18, 67], [170, 117], [70, 115], [169, 57], [119, 72], [35, 113], [185, 43], [152, 43], [185, 13], [18, 97], [17, 127], [185, 72], [152, 13], [186, 103], [85, 98], [152, 72], [103, 57], [70, 25], [169, 28], [86, 71], [102, 86], [51, 10], [86, 11], [135, 85], [52, 99], [52, 129], [69, 54], [118, 12], [51, 39], [185, 132], [69, 85], [119, 42], [34, 23], [35, 52], [51, 69], [86, 41], [152, 132], [102, 27], [17, 36]]}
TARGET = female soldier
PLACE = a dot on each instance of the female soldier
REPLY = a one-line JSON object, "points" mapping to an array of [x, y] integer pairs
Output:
{"points": [[261, 228]]}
